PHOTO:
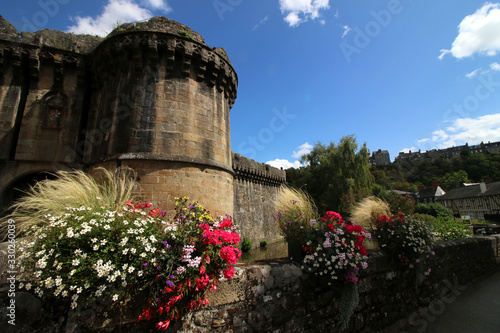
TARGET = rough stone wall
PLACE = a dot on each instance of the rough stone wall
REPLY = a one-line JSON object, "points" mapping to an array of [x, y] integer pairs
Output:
{"points": [[151, 95], [43, 93], [278, 297], [255, 187]]}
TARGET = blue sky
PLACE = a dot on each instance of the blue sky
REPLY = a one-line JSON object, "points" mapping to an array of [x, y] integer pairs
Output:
{"points": [[398, 74]]}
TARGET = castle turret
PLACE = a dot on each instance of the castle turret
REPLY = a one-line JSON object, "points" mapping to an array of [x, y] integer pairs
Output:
{"points": [[160, 104]]}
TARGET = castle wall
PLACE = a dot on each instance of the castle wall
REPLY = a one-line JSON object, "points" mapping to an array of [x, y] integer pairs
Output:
{"points": [[152, 96], [255, 188]]}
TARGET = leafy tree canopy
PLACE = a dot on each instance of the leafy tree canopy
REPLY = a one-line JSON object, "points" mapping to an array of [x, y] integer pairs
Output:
{"points": [[334, 175]]}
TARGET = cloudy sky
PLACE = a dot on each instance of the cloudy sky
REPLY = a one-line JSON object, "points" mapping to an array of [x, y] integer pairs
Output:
{"points": [[398, 74]]}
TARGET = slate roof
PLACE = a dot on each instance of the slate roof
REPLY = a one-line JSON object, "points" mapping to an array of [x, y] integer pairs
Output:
{"points": [[428, 193], [471, 191]]}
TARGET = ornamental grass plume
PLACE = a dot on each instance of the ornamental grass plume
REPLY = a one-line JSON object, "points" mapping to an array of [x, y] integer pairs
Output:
{"points": [[367, 212], [295, 211], [107, 189], [290, 199]]}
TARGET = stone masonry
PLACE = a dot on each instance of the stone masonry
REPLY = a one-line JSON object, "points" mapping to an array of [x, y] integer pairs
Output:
{"points": [[151, 95]]}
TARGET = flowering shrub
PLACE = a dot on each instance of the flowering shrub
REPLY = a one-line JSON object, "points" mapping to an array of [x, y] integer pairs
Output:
{"points": [[408, 240], [90, 253], [445, 227], [335, 248], [296, 209], [292, 224]]}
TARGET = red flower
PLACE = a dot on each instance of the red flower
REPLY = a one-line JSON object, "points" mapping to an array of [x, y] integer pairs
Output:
{"points": [[226, 223], [330, 227], [228, 272], [230, 254]]}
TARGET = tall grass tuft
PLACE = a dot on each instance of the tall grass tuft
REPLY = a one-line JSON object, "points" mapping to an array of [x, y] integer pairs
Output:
{"points": [[367, 211], [108, 189], [291, 201]]}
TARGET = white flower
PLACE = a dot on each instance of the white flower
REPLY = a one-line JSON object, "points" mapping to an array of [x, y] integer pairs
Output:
{"points": [[115, 297], [75, 262]]}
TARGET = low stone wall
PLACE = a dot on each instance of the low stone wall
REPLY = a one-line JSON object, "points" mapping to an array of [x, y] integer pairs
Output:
{"points": [[276, 296]]}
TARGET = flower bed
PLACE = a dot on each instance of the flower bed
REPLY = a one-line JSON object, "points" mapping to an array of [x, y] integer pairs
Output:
{"points": [[91, 252]]}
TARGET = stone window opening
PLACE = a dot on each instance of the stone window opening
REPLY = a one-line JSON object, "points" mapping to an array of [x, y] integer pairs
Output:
{"points": [[55, 108]]}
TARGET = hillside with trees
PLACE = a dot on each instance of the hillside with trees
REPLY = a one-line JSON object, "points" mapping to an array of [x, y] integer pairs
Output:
{"points": [[338, 175]]}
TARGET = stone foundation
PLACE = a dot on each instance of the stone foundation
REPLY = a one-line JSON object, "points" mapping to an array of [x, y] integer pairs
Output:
{"points": [[276, 296]]}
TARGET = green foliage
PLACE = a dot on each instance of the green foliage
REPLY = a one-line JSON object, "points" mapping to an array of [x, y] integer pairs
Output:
{"points": [[407, 240], [90, 253], [445, 227], [454, 179], [186, 34], [295, 209], [110, 190], [399, 203], [333, 172], [349, 300], [263, 243], [246, 245], [433, 209], [475, 166]]}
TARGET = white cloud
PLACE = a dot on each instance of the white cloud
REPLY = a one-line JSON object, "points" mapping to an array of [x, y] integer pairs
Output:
{"points": [[472, 74], [347, 29], [439, 136], [299, 11], [261, 22], [285, 164], [495, 66], [158, 4], [117, 11], [477, 33], [472, 130], [424, 140], [407, 150], [302, 150]]}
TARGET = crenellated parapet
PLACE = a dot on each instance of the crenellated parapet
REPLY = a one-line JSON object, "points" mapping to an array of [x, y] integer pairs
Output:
{"points": [[174, 47], [251, 171]]}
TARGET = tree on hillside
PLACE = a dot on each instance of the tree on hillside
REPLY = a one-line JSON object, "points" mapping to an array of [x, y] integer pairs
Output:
{"points": [[333, 173], [453, 179]]}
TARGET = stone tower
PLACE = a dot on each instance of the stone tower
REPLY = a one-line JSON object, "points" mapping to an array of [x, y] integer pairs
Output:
{"points": [[160, 104], [151, 95]]}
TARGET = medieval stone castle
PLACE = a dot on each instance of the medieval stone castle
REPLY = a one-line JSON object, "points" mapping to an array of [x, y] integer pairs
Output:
{"points": [[151, 96]]}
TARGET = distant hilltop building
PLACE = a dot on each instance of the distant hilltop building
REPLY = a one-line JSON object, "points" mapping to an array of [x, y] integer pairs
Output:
{"points": [[448, 153], [380, 157]]}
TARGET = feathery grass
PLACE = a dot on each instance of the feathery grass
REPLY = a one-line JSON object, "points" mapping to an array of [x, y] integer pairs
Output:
{"points": [[108, 189], [367, 211], [293, 201]]}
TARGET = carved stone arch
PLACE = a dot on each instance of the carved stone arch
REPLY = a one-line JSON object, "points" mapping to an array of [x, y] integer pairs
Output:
{"points": [[55, 109]]}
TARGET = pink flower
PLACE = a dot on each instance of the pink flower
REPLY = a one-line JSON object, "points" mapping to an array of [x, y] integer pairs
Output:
{"points": [[226, 223], [230, 254], [228, 272]]}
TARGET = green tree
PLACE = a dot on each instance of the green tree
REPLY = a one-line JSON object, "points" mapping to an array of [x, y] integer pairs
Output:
{"points": [[454, 179], [335, 175]]}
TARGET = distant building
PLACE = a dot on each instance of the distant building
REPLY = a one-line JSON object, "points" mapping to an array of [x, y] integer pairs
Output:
{"points": [[448, 153], [475, 201], [380, 157], [430, 194]]}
